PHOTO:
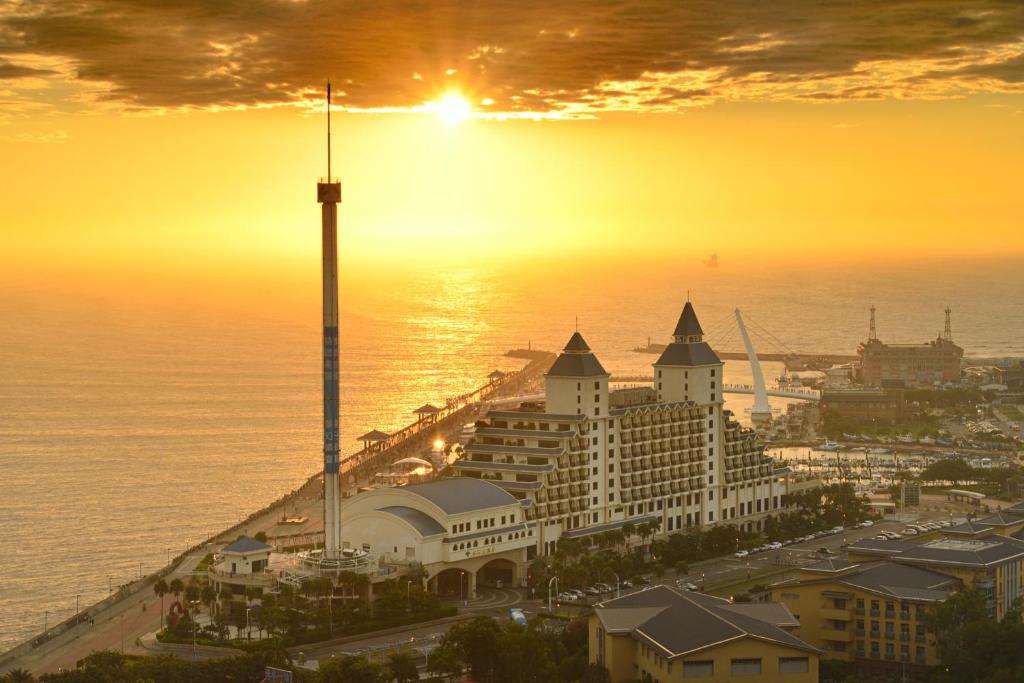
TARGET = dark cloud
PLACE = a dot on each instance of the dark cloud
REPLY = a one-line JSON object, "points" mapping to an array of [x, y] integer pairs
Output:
{"points": [[8, 70], [525, 55]]}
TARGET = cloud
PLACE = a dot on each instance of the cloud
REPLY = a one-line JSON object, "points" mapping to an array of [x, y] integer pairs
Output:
{"points": [[48, 137], [9, 71], [571, 58]]}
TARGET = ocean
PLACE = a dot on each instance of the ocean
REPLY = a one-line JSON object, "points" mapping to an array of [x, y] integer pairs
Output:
{"points": [[130, 429]]}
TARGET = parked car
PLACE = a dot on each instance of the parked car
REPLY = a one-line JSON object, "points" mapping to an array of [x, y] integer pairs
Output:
{"points": [[686, 585], [774, 546], [627, 584], [866, 523], [603, 587], [740, 554], [909, 531], [566, 596], [577, 592], [590, 590], [837, 529]]}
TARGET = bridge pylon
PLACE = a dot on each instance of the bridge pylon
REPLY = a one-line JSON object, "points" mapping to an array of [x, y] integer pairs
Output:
{"points": [[761, 412]]}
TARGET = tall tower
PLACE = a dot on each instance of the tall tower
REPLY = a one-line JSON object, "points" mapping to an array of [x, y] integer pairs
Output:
{"points": [[947, 333], [328, 194], [872, 334]]}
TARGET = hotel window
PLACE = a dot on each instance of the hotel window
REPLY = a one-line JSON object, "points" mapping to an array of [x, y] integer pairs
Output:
{"points": [[712, 373], [794, 665], [611, 497], [595, 486], [712, 397], [597, 411], [611, 467], [700, 669], [746, 667]]}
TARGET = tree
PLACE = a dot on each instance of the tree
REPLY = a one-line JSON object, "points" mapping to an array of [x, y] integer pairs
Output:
{"points": [[952, 470], [18, 676], [595, 673], [348, 669], [972, 645], [161, 589], [445, 663], [261, 536], [475, 642], [402, 668], [176, 588]]}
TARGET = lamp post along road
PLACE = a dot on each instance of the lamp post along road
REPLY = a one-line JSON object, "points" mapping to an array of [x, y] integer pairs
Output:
{"points": [[553, 580]]}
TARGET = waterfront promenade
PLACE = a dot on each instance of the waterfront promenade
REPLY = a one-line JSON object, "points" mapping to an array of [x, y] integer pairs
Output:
{"points": [[121, 620]]}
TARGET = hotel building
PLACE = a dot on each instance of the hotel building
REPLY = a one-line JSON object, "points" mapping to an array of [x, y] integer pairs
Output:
{"points": [[589, 458]]}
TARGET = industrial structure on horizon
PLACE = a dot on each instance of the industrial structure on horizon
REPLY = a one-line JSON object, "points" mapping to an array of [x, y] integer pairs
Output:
{"points": [[934, 362]]}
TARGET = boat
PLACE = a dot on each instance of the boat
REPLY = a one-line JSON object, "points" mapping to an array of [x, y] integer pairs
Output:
{"points": [[879, 451], [830, 446]]}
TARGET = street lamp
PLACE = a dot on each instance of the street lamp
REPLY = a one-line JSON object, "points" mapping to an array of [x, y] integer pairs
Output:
{"points": [[617, 592], [702, 577], [408, 596], [195, 657], [462, 595], [552, 580], [248, 633]]}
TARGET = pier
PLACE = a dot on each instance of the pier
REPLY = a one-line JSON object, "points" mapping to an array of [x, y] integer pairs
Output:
{"points": [[447, 422]]}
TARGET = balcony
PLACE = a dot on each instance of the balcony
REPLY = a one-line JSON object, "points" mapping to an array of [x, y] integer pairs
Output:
{"points": [[875, 613], [905, 636], [876, 635], [890, 614], [919, 638], [859, 611], [835, 614], [836, 635]]}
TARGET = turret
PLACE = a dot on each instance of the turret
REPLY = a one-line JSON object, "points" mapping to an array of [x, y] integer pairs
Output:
{"points": [[688, 370], [577, 384]]}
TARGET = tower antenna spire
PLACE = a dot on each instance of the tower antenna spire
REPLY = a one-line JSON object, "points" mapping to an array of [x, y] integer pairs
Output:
{"points": [[328, 130], [872, 334], [947, 334]]}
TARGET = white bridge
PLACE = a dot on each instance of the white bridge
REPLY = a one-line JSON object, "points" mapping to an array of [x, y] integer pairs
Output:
{"points": [[799, 394]]}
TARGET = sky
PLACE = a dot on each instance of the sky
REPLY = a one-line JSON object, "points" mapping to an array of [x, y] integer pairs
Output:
{"points": [[165, 137]]}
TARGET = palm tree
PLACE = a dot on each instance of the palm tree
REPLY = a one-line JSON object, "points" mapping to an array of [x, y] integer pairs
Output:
{"points": [[19, 676], [176, 588], [161, 588]]}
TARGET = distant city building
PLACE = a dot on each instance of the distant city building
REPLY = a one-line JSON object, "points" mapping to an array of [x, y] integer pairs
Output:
{"points": [[589, 459], [870, 403], [934, 362], [910, 494], [662, 634]]}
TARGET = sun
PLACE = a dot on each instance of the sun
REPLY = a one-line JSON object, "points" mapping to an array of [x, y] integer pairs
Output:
{"points": [[453, 109]]}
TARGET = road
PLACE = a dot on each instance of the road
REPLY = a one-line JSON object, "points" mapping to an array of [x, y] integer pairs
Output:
{"points": [[116, 628]]}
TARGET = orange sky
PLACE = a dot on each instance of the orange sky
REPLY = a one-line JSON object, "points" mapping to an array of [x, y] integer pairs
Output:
{"points": [[108, 168]]}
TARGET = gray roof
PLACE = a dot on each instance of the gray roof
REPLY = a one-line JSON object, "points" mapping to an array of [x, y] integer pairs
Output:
{"points": [[577, 365], [830, 565], [1017, 509], [696, 353], [771, 612], [901, 581], [968, 529], [688, 325], [421, 521], [577, 343], [427, 409], [247, 545], [678, 623], [946, 551], [999, 519], [375, 435], [462, 494]]}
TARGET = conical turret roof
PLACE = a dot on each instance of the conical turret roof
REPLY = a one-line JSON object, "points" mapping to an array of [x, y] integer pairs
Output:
{"points": [[577, 360], [688, 325], [577, 344]]}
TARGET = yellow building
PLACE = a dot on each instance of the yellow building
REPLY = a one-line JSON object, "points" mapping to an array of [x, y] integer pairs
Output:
{"points": [[869, 614], [675, 635], [991, 563]]}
